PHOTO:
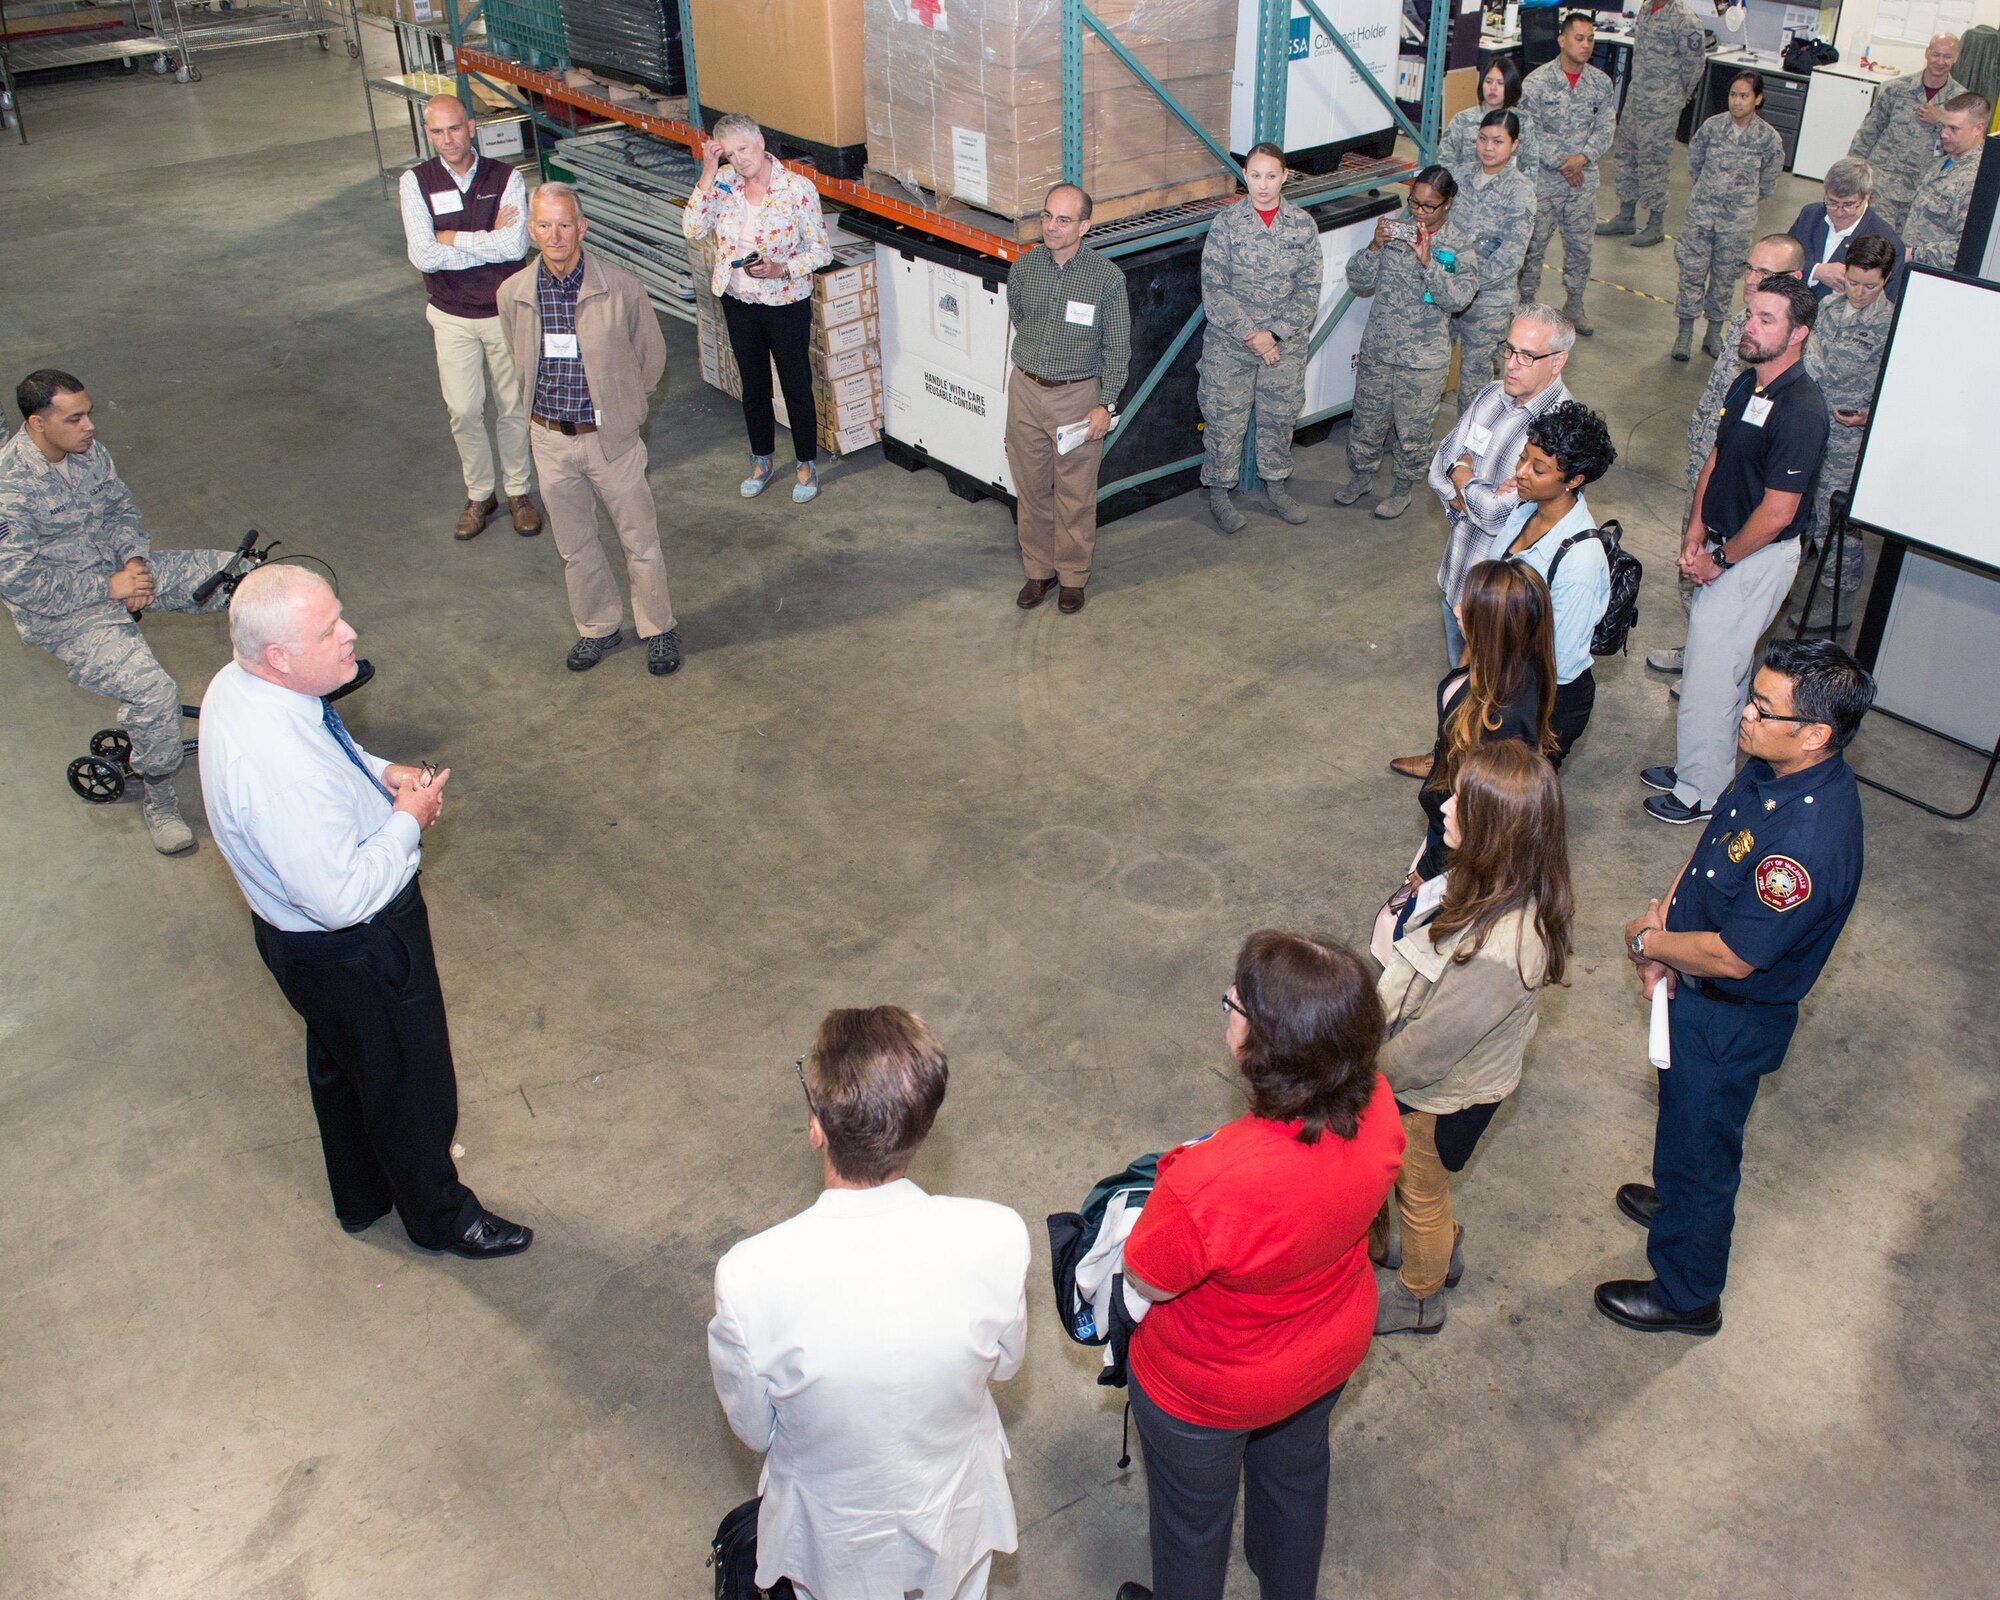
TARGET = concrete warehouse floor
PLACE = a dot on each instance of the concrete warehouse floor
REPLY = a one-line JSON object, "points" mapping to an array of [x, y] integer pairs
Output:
{"points": [[875, 780]]}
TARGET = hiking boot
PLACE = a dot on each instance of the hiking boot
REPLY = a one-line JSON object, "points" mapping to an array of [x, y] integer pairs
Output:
{"points": [[1223, 509], [587, 652], [1654, 232], [161, 810], [1397, 503], [1288, 509], [663, 653], [1625, 222], [1684, 342]]}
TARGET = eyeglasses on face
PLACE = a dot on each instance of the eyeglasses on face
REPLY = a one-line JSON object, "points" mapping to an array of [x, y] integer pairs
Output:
{"points": [[1527, 358], [1756, 708], [1229, 1004], [799, 1066], [1430, 206]]}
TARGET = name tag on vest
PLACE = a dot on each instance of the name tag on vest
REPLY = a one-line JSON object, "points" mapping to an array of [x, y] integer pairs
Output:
{"points": [[447, 201], [1082, 312]]}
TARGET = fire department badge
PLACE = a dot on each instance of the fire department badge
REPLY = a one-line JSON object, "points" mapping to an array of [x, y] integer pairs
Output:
{"points": [[1782, 883], [1740, 847]]}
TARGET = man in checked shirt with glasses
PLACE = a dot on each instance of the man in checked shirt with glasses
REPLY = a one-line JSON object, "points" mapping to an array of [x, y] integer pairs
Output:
{"points": [[1072, 351], [589, 353]]}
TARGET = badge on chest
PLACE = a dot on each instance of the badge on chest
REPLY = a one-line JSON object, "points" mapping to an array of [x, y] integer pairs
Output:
{"points": [[1757, 410], [1740, 845]]}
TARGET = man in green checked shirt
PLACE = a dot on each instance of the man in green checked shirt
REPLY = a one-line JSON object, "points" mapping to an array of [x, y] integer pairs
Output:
{"points": [[1072, 351]]}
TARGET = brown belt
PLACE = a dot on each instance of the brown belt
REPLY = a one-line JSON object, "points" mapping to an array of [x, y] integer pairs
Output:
{"points": [[1053, 383], [564, 427]]}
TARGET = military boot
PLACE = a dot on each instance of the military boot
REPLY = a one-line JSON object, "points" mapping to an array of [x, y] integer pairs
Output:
{"points": [[1223, 509], [1397, 503], [1573, 309], [1625, 222], [1282, 502], [1654, 231], [161, 810], [1711, 341], [1684, 340], [1353, 490]]}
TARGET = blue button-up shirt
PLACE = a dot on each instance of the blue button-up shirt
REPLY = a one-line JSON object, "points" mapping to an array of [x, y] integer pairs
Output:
{"points": [[1775, 875], [1583, 582], [562, 392]]}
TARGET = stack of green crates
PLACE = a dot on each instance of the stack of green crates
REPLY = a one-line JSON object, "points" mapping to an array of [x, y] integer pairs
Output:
{"points": [[529, 31]]}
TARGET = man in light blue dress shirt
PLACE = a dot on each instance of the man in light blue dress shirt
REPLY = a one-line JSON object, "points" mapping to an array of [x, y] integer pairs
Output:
{"points": [[325, 842]]}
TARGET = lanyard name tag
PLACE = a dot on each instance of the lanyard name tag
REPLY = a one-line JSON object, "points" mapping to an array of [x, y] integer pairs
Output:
{"points": [[561, 346], [1082, 312], [446, 201], [1756, 409], [1477, 440]]}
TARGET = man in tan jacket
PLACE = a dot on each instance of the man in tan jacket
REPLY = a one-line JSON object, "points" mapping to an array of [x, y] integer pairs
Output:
{"points": [[588, 349]]}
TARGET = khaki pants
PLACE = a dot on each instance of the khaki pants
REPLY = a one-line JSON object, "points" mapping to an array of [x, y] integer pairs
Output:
{"points": [[570, 469], [1055, 495], [1423, 1196], [470, 352]]}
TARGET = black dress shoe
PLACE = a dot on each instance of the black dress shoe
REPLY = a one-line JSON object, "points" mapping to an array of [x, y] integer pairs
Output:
{"points": [[362, 1225], [487, 1236], [1635, 1303], [1134, 1591], [1640, 1202]]}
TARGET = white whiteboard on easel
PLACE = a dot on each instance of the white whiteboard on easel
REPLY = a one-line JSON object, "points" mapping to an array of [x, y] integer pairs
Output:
{"points": [[1919, 21], [1926, 469]]}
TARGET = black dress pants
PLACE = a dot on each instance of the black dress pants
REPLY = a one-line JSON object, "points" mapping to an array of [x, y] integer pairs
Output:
{"points": [[1191, 1478], [1570, 714], [758, 336], [378, 1061]]}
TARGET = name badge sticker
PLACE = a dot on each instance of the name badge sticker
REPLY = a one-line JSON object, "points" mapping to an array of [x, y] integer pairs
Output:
{"points": [[1082, 312], [1756, 409], [560, 346], [447, 201], [1478, 439]]}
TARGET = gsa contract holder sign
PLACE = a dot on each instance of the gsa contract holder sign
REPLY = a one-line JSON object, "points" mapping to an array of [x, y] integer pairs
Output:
{"points": [[1924, 481]]}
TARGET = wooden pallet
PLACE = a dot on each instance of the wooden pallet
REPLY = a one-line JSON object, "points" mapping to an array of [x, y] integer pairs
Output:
{"points": [[1028, 230]]}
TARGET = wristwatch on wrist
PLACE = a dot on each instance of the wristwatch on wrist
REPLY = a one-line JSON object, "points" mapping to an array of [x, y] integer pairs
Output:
{"points": [[1720, 551], [1110, 410], [1639, 943]]}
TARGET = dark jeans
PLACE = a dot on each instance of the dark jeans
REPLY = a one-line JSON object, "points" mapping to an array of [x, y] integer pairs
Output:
{"points": [[1570, 714], [378, 1061], [1721, 1053], [1191, 1477], [758, 336]]}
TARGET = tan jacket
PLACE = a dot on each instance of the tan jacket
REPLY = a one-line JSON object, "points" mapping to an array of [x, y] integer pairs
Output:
{"points": [[617, 334], [1457, 1033]]}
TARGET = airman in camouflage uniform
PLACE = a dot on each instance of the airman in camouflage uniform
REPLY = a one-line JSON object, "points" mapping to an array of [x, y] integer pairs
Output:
{"points": [[1256, 280], [74, 568], [1414, 291], [1937, 214], [1496, 211], [1844, 357], [1669, 51], [1899, 136], [1573, 126], [1459, 148], [1735, 167]]}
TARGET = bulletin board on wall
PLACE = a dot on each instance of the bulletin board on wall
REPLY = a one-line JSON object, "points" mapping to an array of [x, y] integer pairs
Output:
{"points": [[1917, 22]]}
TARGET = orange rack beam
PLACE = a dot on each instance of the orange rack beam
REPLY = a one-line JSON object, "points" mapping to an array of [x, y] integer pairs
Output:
{"points": [[554, 86]]}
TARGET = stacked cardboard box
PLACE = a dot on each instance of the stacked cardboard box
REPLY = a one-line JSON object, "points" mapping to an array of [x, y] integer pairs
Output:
{"points": [[965, 99], [846, 347]]}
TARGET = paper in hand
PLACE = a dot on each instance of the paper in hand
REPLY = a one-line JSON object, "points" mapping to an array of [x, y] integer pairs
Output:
{"points": [[1657, 1049], [1070, 435]]}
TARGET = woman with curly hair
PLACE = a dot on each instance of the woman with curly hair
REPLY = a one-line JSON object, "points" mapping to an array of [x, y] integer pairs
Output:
{"points": [[1568, 447], [1460, 991], [1503, 689]]}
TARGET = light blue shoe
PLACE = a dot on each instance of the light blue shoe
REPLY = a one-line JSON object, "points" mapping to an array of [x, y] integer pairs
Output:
{"points": [[760, 477], [806, 488]]}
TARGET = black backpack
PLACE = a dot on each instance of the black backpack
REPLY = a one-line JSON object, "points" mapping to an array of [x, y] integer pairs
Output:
{"points": [[1612, 635], [1802, 55], [733, 1555]]}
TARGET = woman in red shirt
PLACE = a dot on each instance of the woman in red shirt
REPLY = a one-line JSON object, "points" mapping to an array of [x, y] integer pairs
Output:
{"points": [[1253, 1251]]}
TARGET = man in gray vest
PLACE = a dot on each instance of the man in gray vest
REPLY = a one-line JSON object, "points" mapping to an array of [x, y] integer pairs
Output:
{"points": [[465, 218]]}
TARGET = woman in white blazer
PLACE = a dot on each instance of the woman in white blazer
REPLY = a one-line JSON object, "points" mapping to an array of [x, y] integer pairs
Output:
{"points": [[854, 1344]]}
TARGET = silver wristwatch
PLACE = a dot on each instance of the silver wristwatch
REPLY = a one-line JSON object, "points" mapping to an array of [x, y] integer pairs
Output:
{"points": [[1639, 943]]}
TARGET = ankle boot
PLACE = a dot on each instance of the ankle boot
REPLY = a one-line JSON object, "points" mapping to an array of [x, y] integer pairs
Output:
{"points": [[1711, 341], [1624, 222], [1280, 496], [1684, 341], [1223, 509], [1654, 231], [161, 811], [1573, 309]]}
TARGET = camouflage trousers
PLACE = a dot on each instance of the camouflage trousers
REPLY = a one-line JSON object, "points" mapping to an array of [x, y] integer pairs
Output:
{"points": [[1233, 383], [1477, 331], [1710, 258], [1573, 213], [1836, 471], [1394, 399], [1639, 162], [108, 655]]}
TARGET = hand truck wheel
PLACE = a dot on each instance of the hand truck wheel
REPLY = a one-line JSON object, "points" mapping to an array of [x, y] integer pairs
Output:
{"points": [[96, 780]]}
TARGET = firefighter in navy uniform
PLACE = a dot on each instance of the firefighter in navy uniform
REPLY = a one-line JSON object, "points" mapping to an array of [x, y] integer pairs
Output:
{"points": [[1740, 940]]}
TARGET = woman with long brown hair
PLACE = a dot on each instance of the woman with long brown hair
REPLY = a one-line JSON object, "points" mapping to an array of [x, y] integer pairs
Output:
{"points": [[1503, 688], [1460, 991]]}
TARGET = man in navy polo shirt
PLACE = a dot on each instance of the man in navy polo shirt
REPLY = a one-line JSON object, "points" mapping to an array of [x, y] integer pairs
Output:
{"points": [[1742, 937], [1751, 503]]}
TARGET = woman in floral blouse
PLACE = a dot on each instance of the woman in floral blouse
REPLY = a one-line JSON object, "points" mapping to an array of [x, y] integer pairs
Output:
{"points": [[771, 239]]}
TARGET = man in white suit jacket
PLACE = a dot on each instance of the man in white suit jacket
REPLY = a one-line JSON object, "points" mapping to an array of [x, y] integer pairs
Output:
{"points": [[854, 1344]]}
